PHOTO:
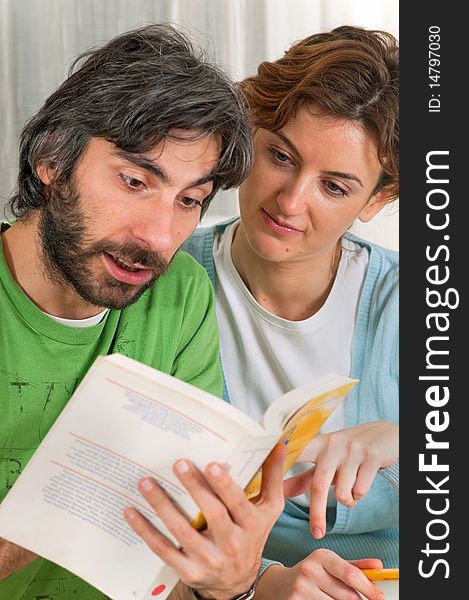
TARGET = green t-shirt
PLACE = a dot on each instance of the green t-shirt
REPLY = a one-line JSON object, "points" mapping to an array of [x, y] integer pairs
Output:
{"points": [[172, 327]]}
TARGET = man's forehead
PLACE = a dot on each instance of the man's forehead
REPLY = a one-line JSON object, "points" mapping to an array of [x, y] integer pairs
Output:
{"points": [[198, 153], [193, 144]]}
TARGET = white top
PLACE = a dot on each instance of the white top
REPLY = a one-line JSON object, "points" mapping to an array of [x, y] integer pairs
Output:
{"points": [[256, 374], [88, 322]]}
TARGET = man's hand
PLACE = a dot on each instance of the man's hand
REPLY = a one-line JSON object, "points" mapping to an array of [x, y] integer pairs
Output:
{"points": [[348, 458], [323, 574], [13, 558], [224, 559]]}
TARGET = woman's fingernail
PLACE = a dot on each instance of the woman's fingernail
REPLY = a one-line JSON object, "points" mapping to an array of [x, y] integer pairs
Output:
{"points": [[181, 466], [317, 533]]}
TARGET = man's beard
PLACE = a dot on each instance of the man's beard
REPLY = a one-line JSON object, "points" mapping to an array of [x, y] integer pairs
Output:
{"points": [[67, 256]]}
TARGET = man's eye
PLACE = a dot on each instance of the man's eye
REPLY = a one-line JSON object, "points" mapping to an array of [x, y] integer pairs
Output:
{"points": [[190, 202], [132, 182]]}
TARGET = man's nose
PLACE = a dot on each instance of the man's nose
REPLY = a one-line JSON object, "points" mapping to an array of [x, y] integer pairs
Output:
{"points": [[154, 226]]}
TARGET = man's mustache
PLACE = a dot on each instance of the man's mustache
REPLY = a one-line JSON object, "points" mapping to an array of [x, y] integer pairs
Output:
{"points": [[130, 252]]}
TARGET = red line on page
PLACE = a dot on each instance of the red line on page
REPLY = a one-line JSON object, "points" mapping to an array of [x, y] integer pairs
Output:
{"points": [[168, 407], [67, 468], [80, 437]]}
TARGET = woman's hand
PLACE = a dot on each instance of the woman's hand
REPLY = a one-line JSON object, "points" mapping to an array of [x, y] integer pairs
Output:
{"points": [[224, 559], [348, 458], [323, 574]]}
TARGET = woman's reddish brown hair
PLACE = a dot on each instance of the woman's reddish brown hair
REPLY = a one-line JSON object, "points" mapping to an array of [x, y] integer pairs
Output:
{"points": [[349, 73]]}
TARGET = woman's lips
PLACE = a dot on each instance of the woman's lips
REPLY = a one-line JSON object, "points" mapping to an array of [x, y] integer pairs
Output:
{"points": [[278, 226]]}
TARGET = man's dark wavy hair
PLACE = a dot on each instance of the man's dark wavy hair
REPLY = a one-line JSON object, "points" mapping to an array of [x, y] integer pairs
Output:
{"points": [[134, 92]]}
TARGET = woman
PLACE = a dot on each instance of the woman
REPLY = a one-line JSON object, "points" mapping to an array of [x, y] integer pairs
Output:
{"points": [[299, 296]]}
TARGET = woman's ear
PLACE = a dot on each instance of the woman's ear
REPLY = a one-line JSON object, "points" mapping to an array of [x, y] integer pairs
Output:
{"points": [[45, 173], [377, 202]]}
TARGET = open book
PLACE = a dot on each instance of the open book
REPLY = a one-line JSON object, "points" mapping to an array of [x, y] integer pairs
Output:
{"points": [[126, 421]]}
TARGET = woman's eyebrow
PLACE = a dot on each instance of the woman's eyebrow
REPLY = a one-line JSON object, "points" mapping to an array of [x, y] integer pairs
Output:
{"points": [[349, 176], [287, 141]]}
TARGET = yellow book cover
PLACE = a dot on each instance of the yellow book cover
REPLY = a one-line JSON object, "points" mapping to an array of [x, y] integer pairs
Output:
{"points": [[301, 428]]}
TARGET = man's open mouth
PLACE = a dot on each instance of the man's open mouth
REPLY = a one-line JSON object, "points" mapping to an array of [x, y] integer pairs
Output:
{"points": [[127, 271], [128, 266]]}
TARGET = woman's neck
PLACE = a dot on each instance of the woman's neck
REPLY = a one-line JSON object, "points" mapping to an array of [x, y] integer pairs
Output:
{"points": [[293, 290]]}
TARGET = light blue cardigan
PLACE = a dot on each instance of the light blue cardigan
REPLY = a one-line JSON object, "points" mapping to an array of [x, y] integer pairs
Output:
{"points": [[371, 529]]}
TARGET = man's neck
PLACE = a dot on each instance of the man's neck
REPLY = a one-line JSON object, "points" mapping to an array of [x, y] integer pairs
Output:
{"points": [[22, 250], [291, 290]]}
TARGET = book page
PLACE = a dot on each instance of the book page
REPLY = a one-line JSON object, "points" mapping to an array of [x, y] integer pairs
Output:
{"points": [[117, 428], [303, 418], [316, 392]]}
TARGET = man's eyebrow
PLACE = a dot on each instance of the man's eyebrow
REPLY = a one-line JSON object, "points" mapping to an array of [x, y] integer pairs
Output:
{"points": [[294, 149], [148, 165]]}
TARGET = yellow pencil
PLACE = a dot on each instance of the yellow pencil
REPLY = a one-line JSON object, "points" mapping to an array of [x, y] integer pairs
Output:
{"points": [[381, 574]]}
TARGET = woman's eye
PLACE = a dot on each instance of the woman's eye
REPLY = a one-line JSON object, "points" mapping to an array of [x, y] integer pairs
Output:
{"points": [[279, 155], [334, 189], [132, 182]]}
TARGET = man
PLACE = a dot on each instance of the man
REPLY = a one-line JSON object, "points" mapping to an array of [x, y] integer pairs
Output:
{"points": [[116, 170]]}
